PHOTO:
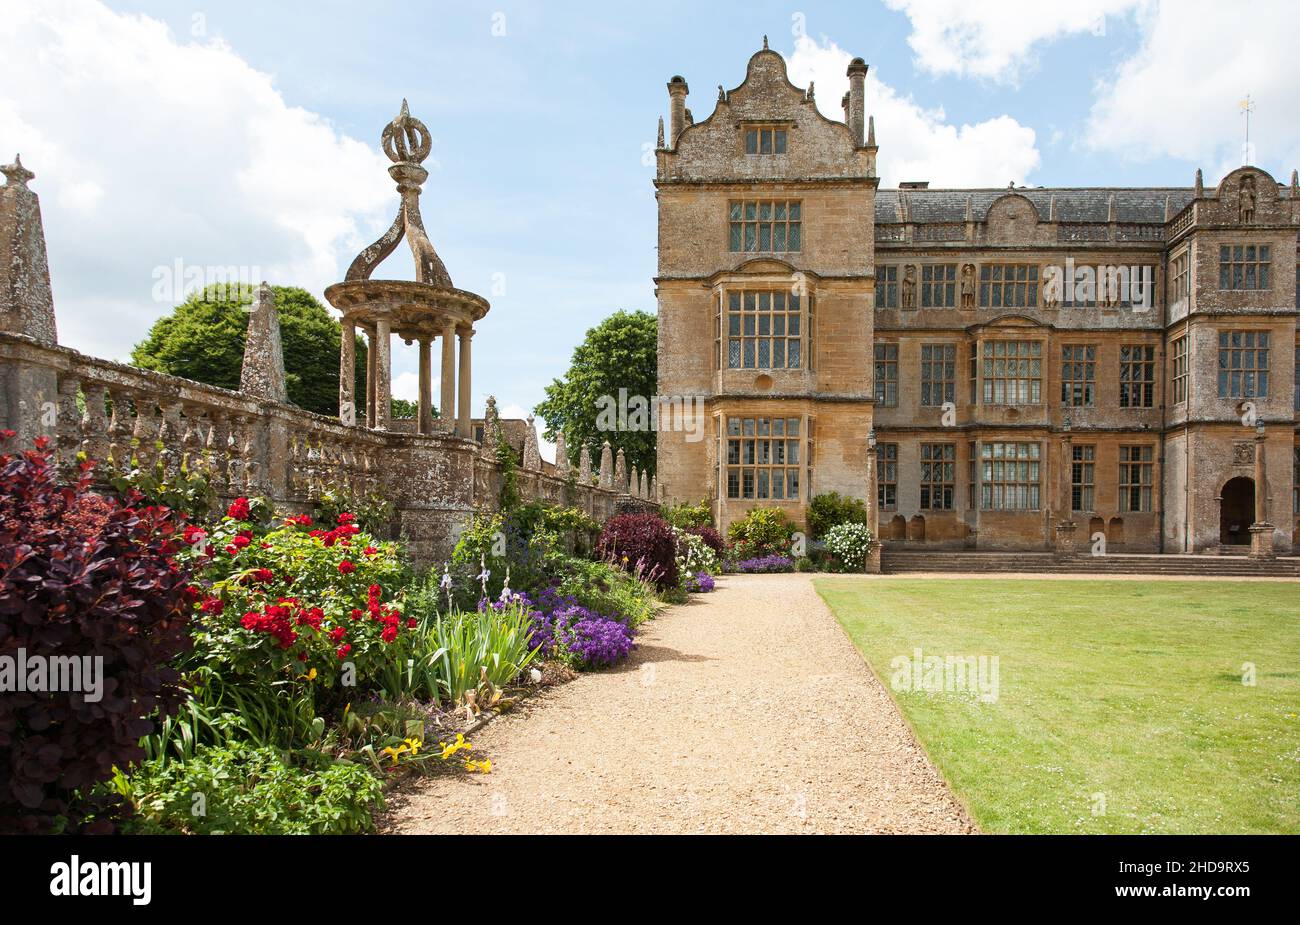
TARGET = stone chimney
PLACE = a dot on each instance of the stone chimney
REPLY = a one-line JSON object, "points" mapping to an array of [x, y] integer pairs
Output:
{"points": [[677, 91], [26, 301], [263, 376], [857, 100]]}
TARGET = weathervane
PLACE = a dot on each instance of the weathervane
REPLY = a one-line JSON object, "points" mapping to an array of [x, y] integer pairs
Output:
{"points": [[1247, 107]]}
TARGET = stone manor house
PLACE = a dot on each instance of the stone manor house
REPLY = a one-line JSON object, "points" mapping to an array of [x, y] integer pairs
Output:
{"points": [[1015, 369]]}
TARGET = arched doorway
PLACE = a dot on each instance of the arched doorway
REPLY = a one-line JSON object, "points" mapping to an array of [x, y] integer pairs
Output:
{"points": [[1237, 511]]}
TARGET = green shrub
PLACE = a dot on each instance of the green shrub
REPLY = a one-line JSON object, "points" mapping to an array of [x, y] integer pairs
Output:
{"points": [[186, 490], [805, 564], [763, 531], [684, 515], [604, 589], [830, 509], [249, 791], [373, 513]]}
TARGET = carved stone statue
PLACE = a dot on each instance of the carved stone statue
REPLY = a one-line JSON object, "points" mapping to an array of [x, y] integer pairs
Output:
{"points": [[909, 287], [968, 286], [1246, 199]]}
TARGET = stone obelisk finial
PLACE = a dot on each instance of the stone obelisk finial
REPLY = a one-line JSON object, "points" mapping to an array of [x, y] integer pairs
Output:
{"points": [[263, 373], [26, 299]]}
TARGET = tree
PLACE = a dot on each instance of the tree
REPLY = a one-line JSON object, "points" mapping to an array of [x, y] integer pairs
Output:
{"points": [[618, 354], [203, 339]]}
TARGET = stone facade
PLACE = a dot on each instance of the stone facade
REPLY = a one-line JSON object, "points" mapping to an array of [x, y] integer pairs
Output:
{"points": [[955, 365]]}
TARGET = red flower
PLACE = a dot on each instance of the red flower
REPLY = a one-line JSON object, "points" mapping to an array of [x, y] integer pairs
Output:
{"points": [[356, 614], [302, 520], [346, 567], [337, 633], [346, 518], [232, 549], [389, 633], [369, 551], [410, 623], [239, 541], [343, 651], [374, 591], [264, 575], [212, 605], [239, 509], [193, 535]]}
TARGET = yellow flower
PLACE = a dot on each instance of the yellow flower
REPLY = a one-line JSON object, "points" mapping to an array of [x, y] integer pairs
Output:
{"points": [[483, 767], [449, 750], [393, 753], [309, 676], [414, 745]]}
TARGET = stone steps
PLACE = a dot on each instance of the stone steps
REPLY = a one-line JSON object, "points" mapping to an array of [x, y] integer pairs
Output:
{"points": [[896, 562]]}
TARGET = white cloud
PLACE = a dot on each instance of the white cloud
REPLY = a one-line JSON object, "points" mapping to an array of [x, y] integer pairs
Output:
{"points": [[918, 143], [1179, 95], [997, 41], [147, 149]]}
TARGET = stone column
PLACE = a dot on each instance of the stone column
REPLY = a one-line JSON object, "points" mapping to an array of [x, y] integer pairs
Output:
{"points": [[1261, 531], [423, 420], [872, 563], [463, 425], [348, 374], [383, 372], [448, 407], [1065, 528], [372, 360]]}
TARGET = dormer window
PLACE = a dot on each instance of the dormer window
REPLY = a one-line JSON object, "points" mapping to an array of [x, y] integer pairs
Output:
{"points": [[766, 139]]}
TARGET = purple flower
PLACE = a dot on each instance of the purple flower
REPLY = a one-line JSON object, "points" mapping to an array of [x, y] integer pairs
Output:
{"points": [[702, 582], [766, 564]]}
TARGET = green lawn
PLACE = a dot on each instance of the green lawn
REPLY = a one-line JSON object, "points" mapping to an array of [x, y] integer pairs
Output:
{"points": [[1128, 689]]}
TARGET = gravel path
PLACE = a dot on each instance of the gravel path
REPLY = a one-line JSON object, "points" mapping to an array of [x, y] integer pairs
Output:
{"points": [[745, 711]]}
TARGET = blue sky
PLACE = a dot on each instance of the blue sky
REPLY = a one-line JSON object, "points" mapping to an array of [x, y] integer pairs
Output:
{"points": [[246, 133]]}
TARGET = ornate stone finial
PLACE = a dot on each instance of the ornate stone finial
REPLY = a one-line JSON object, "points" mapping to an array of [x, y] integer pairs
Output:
{"points": [[26, 299], [722, 94], [606, 466], [659, 142], [1295, 183], [765, 43], [644, 490], [561, 454], [16, 174], [811, 91], [654, 488], [620, 471], [1200, 184], [871, 131], [584, 466], [532, 454], [632, 482], [491, 428], [406, 142], [262, 375]]}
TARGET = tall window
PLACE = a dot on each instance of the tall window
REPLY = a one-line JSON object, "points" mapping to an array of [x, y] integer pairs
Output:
{"points": [[763, 458], [887, 476], [1180, 370], [763, 330], [1135, 478], [765, 226], [939, 285], [972, 476], [1297, 377], [1243, 364], [938, 373], [1078, 375], [1008, 285], [1137, 376], [765, 140], [1013, 372], [1295, 480], [938, 476], [1010, 476], [887, 374], [887, 286], [1244, 266], [1182, 276], [1082, 480]]}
